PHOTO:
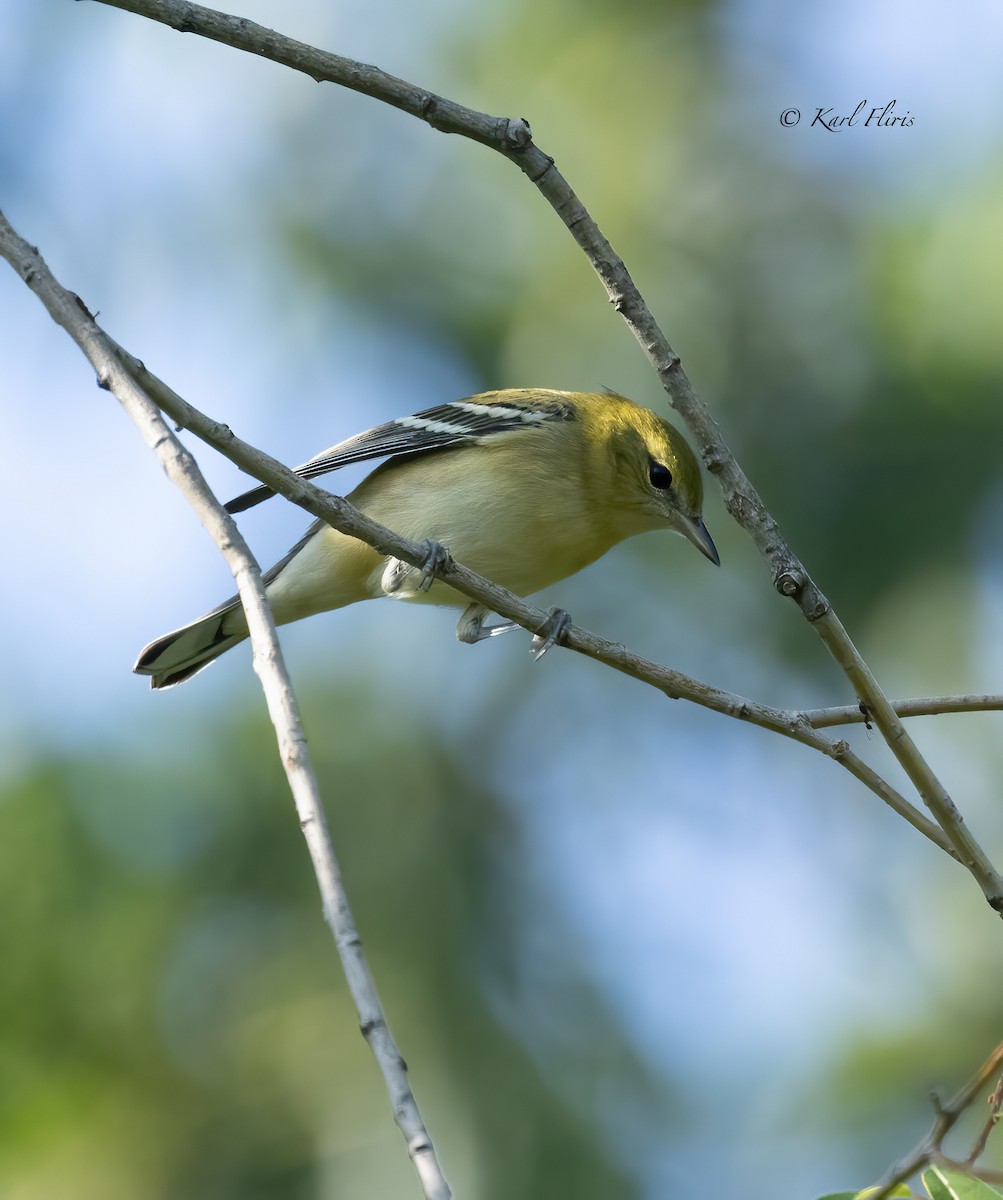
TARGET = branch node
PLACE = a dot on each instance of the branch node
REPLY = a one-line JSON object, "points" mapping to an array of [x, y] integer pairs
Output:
{"points": [[820, 609], [80, 304], [790, 583], [518, 133], [369, 1027]]}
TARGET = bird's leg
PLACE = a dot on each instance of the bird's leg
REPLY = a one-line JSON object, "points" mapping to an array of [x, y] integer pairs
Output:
{"points": [[471, 629], [397, 572], [552, 630]]}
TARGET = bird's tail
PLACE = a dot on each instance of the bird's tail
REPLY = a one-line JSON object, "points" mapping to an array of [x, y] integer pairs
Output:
{"points": [[177, 656]]}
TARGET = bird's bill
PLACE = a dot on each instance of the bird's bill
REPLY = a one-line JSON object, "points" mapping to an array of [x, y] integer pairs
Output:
{"points": [[695, 531]]}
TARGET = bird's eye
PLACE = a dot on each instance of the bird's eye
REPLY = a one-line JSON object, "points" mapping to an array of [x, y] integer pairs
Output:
{"points": [[660, 476]]}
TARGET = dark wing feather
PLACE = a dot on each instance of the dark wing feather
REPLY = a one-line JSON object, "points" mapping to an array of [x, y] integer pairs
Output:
{"points": [[456, 423]]}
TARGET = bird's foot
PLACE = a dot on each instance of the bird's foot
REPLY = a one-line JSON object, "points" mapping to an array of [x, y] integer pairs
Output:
{"points": [[471, 628], [436, 557], [550, 633], [399, 575]]}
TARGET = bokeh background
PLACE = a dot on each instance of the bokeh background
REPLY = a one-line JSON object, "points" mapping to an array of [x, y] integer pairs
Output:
{"points": [[629, 948]]}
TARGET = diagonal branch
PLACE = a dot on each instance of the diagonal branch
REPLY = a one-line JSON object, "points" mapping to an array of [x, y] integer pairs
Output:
{"points": [[513, 139], [182, 469], [69, 312]]}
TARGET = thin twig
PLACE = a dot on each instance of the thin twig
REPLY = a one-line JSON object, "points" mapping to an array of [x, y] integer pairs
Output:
{"points": [[69, 311], [513, 139], [181, 467], [933, 792], [930, 1148], [995, 1104], [919, 706]]}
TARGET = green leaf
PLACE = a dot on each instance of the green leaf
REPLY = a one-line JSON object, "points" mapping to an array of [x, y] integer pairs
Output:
{"points": [[954, 1185]]}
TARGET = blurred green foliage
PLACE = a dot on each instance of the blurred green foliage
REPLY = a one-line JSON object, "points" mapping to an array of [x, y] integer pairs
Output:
{"points": [[181, 1028]]}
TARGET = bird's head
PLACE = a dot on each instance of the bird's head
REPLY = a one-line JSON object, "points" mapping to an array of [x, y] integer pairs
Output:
{"points": [[658, 481]]}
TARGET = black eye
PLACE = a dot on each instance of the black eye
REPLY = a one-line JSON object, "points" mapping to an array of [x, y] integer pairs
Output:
{"points": [[660, 476]]}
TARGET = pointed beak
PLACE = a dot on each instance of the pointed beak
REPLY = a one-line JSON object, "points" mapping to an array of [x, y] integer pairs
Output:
{"points": [[695, 531]]}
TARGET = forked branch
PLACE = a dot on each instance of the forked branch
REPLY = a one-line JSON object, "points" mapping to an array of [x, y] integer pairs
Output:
{"points": [[930, 1149], [513, 139], [70, 312]]}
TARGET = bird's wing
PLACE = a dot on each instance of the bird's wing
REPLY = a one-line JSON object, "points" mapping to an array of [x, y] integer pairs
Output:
{"points": [[457, 423]]}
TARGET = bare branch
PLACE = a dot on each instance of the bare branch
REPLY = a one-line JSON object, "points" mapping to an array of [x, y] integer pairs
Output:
{"points": [[513, 139], [921, 706], [70, 312], [995, 1103], [930, 1148], [180, 465], [500, 133]]}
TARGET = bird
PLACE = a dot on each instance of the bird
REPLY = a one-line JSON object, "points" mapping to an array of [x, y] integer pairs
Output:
{"points": [[525, 486]]}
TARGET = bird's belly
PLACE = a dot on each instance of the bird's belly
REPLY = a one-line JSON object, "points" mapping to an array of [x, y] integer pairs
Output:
{"points": [[521, 568], [519, 527]]}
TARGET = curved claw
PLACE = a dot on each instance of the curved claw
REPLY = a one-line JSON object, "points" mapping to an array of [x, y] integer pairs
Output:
{"points": [[399, 575], [436, 557], [471, 627], [550, 633]]}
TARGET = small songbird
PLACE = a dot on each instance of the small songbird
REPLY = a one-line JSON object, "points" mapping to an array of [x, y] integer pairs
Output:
{"points": [[525, 487]]}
